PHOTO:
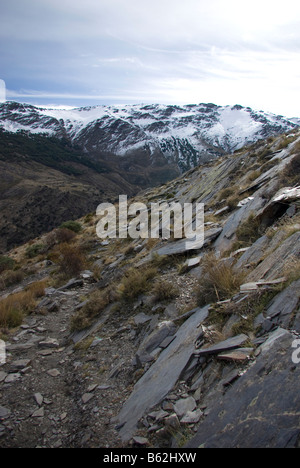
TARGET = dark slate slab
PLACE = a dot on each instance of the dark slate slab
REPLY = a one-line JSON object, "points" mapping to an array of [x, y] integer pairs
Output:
{"points": [[261, 409], [228, 345], [186, 245], [272, 267], [160, 379], [284, 305]]}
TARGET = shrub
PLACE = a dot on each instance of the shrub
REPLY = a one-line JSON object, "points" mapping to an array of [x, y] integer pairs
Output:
{"points": [[71, 260], [219, 281], [59, 236], [136, 282], [72, 226], [6, 263], [164, 291], [35, 250]]}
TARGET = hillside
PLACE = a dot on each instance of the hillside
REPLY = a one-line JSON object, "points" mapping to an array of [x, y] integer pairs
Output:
{"points": [[45, 181], [145, 343]]}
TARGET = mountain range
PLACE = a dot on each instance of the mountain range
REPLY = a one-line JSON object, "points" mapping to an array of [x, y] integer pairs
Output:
{"points": [[59, 164]]}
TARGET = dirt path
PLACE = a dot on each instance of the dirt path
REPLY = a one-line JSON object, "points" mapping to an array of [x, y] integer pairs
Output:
{"points": [[56, 396]]}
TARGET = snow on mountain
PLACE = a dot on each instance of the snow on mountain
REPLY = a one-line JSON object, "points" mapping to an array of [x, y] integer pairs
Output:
{"points": [[186, 135]]}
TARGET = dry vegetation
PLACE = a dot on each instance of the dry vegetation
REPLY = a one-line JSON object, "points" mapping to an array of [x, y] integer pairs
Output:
{"points": [[136, 282], [219, 281], [16, 306]]}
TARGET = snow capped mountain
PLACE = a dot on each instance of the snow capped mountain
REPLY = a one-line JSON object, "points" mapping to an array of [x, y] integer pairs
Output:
{"points": [[184, 135]]}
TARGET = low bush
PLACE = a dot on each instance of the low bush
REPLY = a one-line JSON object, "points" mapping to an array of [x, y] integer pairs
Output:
{"points": [[72, 226], [70, 260], [35, 250], [59, 236], [6, 263]]}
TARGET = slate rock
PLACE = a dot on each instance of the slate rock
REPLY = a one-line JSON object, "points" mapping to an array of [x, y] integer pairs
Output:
{"points": [[12, 378], [282, 307], [38, 398], [186, 245], [172, 421], [19, 365], [265, 412], [49, 343], [4, 413], [192, 417], [141, 319], [230, 344], [140, 441], [160, 379], [87, 397], [39, 413], [184, 405], [153, 341], [53, 372], [72, 284], [271, 268], [3, 376]]}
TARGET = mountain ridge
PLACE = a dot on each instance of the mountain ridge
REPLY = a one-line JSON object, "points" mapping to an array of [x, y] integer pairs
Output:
{"points": [[181, 135]]}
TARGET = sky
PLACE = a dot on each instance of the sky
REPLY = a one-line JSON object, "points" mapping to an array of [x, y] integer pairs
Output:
{"points": [[92, 52]]}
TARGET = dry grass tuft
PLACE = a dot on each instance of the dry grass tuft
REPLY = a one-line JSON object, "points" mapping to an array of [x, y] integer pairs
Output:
{"points": [[136, 282], [165, 291], [16, 306], [219, 281]]}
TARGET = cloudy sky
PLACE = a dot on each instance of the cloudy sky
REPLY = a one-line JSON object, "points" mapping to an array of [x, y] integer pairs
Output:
{"points": [[88, 52]]}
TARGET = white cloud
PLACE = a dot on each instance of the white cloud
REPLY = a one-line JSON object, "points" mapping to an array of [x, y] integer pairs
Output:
{"points": [[225, 52]]}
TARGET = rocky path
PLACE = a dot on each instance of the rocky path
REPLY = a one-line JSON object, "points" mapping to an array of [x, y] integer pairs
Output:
{"points": [[53, 394]]}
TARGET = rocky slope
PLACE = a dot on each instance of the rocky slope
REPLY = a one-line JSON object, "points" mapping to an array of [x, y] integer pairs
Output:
{"points": [[143, 342]]}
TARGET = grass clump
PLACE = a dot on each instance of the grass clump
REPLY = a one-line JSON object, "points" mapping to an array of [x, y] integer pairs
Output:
{"points": [[14, 307], [98, 301], [10, 278], [72, 226], [136, 282], [290, 175], [165, 291], [249, 231], [219, 281]]}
